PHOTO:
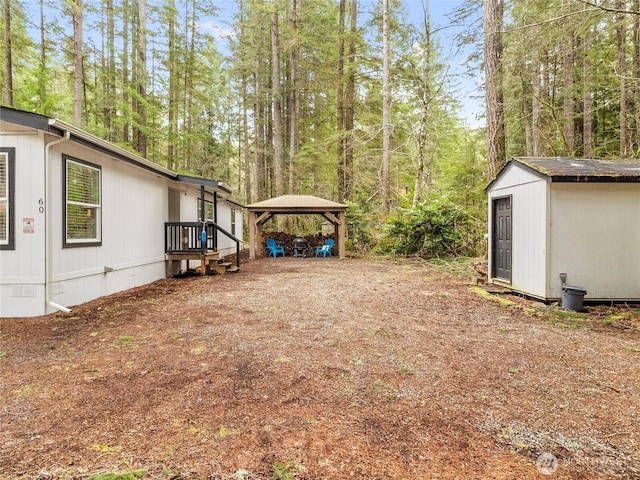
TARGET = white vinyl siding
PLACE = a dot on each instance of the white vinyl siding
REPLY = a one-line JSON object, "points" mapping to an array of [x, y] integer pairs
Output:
{"points": [[83, 203]]}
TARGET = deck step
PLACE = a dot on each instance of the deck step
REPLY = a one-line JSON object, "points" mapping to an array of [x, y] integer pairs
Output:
{"points": [[221, 267]]}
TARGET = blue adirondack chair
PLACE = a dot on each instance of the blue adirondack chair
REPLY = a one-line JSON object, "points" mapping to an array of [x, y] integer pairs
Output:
{"points": [[273, 248], [325, 249]]}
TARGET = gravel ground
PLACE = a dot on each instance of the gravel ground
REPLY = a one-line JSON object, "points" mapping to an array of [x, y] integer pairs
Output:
{"points": [[321, 369]]}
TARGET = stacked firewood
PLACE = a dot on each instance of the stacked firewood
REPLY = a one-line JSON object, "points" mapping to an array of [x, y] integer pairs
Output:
{"points": [[286, 240]]}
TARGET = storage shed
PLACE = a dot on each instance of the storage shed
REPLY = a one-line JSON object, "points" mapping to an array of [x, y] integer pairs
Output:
{"points": [[555, 218]]}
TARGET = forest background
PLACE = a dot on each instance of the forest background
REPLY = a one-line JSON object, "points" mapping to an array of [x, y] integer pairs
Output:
{"points": [[351, 100]]}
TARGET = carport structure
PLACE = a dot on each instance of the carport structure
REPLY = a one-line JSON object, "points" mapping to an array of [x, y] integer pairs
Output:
{"points": [[262, 212]]}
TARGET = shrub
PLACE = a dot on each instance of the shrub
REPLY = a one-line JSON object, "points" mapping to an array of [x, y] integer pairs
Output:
{"points": [[433, 229], [359, 237]]}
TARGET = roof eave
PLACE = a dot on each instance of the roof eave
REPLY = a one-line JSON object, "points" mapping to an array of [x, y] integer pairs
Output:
{"points": [[557, 178], [56, 127], [593, 179], [110, 147], [205, 182], [130, 157]]}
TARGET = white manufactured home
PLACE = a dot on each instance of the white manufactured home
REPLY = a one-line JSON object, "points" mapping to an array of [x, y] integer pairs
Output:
{"points": [[81, 218], [565, 221]]}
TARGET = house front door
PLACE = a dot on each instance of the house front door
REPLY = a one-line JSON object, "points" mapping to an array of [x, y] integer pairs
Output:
{"points": [[501, 248]]}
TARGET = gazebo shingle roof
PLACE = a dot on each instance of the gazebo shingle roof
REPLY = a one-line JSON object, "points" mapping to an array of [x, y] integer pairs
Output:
{"points": [[297, 203]]}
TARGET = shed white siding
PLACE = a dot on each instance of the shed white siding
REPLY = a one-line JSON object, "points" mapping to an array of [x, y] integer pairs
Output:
{"points": [[528, 194], [575, 217], [514, 176], [596, 239]]}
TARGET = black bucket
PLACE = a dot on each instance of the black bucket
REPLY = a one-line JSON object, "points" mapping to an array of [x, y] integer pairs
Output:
{"points": [[572, 298]]}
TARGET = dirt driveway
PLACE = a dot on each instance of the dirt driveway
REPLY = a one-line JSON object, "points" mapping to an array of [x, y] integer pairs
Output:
{"points": [[320, 369]]}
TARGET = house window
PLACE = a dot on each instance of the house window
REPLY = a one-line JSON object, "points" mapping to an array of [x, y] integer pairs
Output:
{"points": [[83, 200], [233, 222], [7, 204], [208, 210]]}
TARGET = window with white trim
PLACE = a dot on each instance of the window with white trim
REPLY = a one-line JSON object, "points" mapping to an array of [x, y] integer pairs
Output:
{"points": [[83, 203], [7, 163]]}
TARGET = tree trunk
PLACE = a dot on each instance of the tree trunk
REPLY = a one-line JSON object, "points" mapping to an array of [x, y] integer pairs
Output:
{"points": [[42, 75], [189, 94], [140, 136], [587, 110], [567, 78], [340, 102], [245, 142], [636, 70], [173, 88], [294, 108], [349, 102], [621, 35], [536, 103], [426, 99], [124, 60], [276, 101], [494, 90], [526, 108], [8, 56], [78, 76], [259, 134], [385, 181], [245, 111], [109, 100]]}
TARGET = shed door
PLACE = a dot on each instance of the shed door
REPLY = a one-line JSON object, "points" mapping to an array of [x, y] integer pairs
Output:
{"points": [[501, 248]]}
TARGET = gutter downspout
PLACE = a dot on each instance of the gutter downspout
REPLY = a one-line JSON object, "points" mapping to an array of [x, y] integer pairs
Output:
{"points": [[48, 254]]}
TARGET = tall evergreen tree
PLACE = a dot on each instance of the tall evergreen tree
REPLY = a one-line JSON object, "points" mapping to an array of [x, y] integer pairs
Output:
{"points": [[276, 101], [8, 54], [385, 180], [77, 16], [493, 55]]}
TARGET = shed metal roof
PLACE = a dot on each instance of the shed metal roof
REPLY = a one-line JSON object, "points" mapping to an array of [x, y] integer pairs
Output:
{"points": [[565, 169]]}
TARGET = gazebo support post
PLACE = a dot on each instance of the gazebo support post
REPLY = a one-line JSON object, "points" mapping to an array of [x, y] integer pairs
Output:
{"points": [[252, 235], [342, 233]]}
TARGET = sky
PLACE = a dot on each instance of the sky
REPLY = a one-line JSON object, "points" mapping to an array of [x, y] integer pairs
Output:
{"points": [[467, 89]]}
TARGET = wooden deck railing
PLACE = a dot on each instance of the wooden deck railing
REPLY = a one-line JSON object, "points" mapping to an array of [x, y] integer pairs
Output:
{"points": [[186, 237]]}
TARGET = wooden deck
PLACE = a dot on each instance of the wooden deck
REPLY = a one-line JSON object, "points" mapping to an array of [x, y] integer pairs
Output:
{"points": [[210, 262], [184, 241]]}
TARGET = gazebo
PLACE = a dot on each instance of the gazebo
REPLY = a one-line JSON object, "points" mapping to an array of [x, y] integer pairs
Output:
{"points": [[261, 212]]}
